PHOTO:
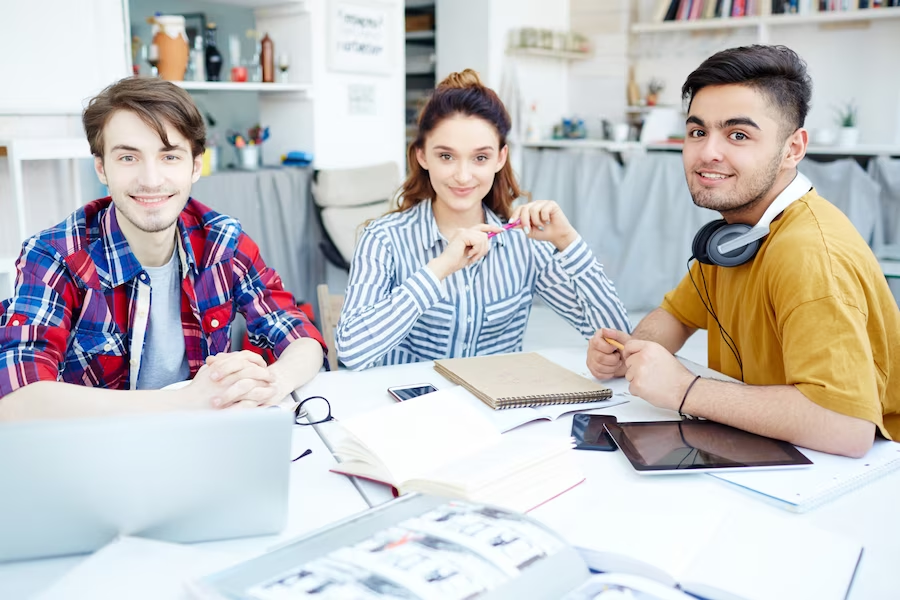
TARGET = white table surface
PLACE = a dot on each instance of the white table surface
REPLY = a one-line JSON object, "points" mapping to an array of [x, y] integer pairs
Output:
{"points": [[317, 498], [866, 515]]}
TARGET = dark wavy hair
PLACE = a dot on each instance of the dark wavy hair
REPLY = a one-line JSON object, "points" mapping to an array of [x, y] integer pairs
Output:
{"points": [[460, 94], [776, 71]]}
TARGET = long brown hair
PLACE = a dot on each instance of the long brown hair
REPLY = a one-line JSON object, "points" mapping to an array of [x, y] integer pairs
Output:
{"points": [[460, 94], [156, 101]]}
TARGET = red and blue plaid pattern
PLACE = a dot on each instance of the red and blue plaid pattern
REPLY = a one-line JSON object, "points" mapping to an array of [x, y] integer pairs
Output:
{"points": [[77, 288]]}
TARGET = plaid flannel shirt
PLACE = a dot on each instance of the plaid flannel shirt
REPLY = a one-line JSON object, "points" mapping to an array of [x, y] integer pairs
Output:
{"points": [[81, 293]]}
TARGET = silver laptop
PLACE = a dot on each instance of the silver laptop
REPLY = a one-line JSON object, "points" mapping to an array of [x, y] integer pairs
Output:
{"points": [[70, 487]]}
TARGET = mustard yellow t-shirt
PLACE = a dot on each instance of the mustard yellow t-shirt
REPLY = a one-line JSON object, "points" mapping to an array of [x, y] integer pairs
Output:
{"points": [[812, 309]]}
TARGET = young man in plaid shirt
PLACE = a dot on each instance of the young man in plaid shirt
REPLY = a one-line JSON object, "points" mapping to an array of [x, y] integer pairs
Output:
{"points": [[138, 290]]}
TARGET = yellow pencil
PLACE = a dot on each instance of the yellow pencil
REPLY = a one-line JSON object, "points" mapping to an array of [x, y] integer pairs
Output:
{"points": [[615, 343]]}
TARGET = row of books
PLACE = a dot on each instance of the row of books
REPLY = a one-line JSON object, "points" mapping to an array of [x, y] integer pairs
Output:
{"points": [[690, 10], [813, 6]]}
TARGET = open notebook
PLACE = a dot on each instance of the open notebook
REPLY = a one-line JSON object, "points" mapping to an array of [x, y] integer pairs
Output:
{"points": [[516, 380], [829, 477]]}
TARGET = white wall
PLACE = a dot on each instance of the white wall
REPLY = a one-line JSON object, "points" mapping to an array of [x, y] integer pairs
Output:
{"points": [[543, 81], [597, 85], [49, 71], [345, 140], [474, 33]]}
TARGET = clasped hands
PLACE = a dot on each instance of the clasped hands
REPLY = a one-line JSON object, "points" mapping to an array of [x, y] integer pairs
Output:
{"points": [[541, 220], [652, 372], [234, 380]]}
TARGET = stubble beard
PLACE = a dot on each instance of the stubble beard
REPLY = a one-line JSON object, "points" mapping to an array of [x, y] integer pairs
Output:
{"points": [[741, 199], [152, 223]]}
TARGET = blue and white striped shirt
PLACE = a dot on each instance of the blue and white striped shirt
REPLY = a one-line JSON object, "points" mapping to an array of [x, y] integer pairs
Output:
{"points": [[397, 311]]}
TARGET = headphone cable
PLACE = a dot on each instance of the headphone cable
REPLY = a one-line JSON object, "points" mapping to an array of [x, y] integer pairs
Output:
{"points": [[729, 341]]}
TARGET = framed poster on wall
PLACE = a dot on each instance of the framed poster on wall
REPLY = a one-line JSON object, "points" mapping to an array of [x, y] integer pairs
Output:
{"points": [[361, 36]]}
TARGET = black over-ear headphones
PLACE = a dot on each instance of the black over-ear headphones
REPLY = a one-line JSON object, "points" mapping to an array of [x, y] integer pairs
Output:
{"points": [[729, 245]]}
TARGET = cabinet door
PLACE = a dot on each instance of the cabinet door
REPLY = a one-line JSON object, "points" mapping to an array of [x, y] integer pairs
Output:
{"points": [[59, 53]]}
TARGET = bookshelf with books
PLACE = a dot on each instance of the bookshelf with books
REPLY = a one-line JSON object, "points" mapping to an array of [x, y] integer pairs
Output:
{"points": [[698, 15], [848, 45]]}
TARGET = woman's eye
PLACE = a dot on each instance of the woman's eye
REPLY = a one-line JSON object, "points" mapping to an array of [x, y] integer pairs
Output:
{"points": [[445, 156], [481, 158]]}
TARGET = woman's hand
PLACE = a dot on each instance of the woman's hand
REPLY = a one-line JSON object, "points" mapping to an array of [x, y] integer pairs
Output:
{"points": [[544, 220], [465, 247]]}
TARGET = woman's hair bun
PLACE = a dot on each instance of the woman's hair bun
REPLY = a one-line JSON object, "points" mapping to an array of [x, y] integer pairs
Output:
{"points": [[461, 80]]}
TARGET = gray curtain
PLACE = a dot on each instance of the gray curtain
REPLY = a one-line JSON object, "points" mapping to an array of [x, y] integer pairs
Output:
{"points": [[275, 209], [846, 185]]}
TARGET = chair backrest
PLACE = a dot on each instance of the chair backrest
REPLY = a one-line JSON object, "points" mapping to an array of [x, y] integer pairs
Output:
{"points": [[330, 306], [347, 198]]}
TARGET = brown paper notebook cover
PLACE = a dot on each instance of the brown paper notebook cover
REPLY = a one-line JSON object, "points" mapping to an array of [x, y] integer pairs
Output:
{"points": [[517, 380]]}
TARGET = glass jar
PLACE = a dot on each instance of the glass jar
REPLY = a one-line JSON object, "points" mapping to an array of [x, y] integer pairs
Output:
{"points": [[170, 38]]}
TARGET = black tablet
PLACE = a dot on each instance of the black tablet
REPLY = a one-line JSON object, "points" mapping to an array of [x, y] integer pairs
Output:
{"points": [[693, 446]]}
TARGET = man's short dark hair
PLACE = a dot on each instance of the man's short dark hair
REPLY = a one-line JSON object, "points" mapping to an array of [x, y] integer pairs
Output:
{"points": [[156, 101], [776, 71]]}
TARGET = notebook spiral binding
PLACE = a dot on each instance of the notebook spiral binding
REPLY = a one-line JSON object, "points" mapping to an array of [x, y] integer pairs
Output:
{"points": [[538, 400]]}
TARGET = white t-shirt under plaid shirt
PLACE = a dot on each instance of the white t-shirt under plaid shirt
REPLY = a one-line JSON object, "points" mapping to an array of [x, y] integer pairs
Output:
{"points": [[397, 311]]}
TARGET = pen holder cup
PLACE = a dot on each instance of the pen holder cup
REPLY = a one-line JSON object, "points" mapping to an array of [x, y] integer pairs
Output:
{"points": [[248, 157]]}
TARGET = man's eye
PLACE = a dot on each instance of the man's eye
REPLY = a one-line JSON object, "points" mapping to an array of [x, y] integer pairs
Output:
{"points": [[739, 136], [171, 157], [127, 158], [696, 133]]}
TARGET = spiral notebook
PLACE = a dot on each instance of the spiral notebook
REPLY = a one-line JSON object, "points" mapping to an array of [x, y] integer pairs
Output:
{"points": [[517, 380], [829, 477]]}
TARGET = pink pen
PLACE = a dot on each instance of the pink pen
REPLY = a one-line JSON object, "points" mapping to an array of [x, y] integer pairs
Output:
{"points": [[506, 227]]}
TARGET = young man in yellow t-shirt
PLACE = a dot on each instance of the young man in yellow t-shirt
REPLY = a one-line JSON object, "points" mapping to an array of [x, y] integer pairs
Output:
{"points": [[808, 322]]}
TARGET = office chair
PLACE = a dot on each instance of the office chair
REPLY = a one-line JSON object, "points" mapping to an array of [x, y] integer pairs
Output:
{"points": [[345, 199]]}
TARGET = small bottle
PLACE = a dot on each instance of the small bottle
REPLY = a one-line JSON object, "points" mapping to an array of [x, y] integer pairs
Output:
{"points": [[267, 59], [213, 56], [198, 59]]}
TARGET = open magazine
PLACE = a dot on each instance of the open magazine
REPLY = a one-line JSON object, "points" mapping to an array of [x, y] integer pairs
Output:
{"points": [[432, 548], [413, 547]]}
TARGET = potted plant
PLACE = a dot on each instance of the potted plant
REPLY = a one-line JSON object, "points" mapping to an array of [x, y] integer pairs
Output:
{"points": [[849, 133]]}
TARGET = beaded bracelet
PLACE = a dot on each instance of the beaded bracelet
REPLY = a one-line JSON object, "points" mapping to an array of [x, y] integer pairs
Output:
{"points": [[681, 414]]}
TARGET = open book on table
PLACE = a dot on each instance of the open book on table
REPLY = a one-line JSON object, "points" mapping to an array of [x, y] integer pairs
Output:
{"points": [[722, 556], [439, 444]]}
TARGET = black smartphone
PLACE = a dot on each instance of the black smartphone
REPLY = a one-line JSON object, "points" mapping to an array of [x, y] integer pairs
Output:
{"points": [[590, 432], [405, 392]]}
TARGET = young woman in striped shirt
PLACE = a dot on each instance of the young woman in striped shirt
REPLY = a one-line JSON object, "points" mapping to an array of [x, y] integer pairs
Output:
{"points": [[429, 280]]}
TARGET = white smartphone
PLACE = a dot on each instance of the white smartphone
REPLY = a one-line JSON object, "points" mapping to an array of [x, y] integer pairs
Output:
{"points": [[405, 392]]}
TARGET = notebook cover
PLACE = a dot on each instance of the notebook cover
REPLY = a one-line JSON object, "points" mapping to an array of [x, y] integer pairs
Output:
{"points": [[517, 380], [829, 477]]}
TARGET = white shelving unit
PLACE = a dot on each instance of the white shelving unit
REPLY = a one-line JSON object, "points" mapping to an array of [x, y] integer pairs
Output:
{"points": [[559, 54], [419, 36], [286, 108], [231, 86], [19, 150]]}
